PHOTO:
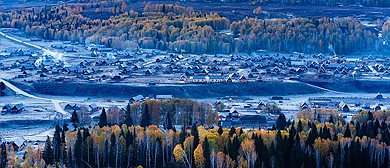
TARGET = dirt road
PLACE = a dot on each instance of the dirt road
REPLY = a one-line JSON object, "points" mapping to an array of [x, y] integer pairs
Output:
{"points": [[56, 103]]}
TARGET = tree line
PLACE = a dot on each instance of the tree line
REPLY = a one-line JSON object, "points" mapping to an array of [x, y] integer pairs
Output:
{"points": [[154, 112], [181, 29], [304, 143]]}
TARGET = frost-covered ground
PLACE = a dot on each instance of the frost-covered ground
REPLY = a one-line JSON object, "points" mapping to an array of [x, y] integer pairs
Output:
{"points": [[38, 117]]}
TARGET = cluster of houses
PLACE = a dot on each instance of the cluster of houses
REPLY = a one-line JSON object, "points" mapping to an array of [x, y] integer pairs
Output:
{"points": [[12, 109], [18, 144], [248, 115], [17, 52], [240, 69], [202, 68], [358, 104], [70, 107], [234, 118], [140, 98]]}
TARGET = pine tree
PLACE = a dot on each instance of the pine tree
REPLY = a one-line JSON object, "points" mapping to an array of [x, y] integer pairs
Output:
{"points": [[232, 131], [281, 122], [113, 151], [220, 130], [347, 133], [103, 119], [57, 142], [233, 150], [331, 120], [168, 122], [63, 149], [145, 121], [48, 152], [195, 133], [128, 118], [300, 127], [77, 149], [206, 152], [3, 154], [2, 88], [183, 135], [74, 119]]}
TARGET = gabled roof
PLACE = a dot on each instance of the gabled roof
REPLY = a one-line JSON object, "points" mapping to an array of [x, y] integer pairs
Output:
{"points": [[93, 105], [19, 141], [7, 106], [18, 106], [138, 97]]}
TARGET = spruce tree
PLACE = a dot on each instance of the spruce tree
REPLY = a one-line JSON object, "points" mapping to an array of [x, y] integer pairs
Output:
{"points": [[57, 142], [331, 119], [2, 88], [168, 122], [183, 135], [63, 149], [112, 152], [75, 118], [3, 158], [206, 152], [220, 130], [77, 149], [347, 133], [195, 133], [48, 152], [232, 131], [299, 127], [281, 122], [145, 121], [128, 118], [103, 119]]}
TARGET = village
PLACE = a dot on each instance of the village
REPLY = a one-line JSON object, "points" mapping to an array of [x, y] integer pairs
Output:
{"points": [[34, 60], [73, 62]]}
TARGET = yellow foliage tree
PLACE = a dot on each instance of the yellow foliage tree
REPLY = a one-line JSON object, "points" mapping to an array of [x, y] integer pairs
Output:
{"points": [[198, 156]]}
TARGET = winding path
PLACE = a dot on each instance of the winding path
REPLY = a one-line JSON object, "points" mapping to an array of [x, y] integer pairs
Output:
{"points": [[49, 52], [55, 102]]}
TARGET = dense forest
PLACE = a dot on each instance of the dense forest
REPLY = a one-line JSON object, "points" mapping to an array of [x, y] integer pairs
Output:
{"points": [[181, 29], [363, 142]]}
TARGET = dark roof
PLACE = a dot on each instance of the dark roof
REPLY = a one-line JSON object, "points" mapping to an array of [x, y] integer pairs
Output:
{"points": [[252, 117]]}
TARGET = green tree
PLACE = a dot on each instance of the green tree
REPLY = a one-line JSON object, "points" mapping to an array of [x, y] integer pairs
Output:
{"points": [[57, 142], [3, 154], [48, 152], [281, 122], [145, 121], [195, 133], [113, 151], [168, 122], [206, 152], [74, 119], [128, 118], [103, 119], [78, 149], [2, 88], [220, 130], [347, 132]]}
